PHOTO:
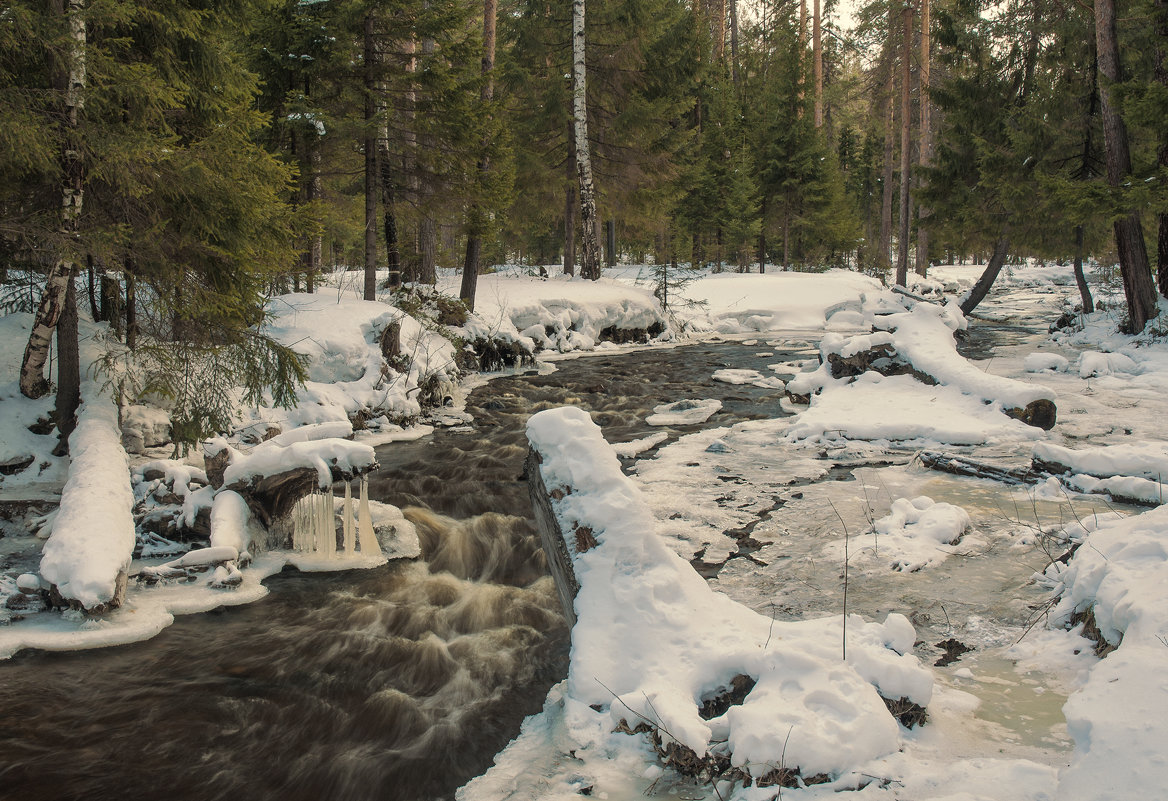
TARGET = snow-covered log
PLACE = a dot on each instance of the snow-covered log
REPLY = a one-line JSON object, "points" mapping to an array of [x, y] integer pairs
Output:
{"points": [[87, 558], [652, 643]]}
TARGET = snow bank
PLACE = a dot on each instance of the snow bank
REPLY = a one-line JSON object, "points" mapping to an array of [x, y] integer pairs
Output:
{"points": [[737, 303], [557, 313], [653, 641], [88, 554], [1119, 719], [900, 408], [964, 408], [347, 373], [1145, 459]]}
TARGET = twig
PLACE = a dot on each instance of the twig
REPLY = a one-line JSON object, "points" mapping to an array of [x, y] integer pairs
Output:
{"points": [[845, 621]]}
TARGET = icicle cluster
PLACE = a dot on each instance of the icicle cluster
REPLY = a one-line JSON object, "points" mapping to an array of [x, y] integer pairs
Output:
{"points": [[314, 528]]}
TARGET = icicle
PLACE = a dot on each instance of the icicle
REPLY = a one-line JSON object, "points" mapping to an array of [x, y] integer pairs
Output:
{"points": [[300, 532], [321, 526], [330, 525], [366, 537], [347, 517]]}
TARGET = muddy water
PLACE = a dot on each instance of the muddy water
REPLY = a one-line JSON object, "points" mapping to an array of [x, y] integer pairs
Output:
{"points": [[395, 683]]}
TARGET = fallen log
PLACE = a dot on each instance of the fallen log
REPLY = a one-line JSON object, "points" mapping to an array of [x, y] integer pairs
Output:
{"points": [[963, 466], [552, 537]]}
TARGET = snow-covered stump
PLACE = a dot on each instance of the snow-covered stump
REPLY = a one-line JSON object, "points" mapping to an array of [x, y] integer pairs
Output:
{"points": [[723, 693], [278, 475], [87, 558]]}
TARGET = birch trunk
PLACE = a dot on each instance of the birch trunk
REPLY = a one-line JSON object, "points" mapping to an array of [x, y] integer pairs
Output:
{"points": [[589, 238], [905, 145], [926, 137], [33, 383]]}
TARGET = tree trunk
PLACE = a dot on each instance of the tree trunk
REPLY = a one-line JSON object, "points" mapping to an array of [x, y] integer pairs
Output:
{"points": [[988, 276], [474, 241], [91, 285], [131, 304], [315, 247], [610, 242], [370, 145], [1161, 73], [762, 243], [800, 77], [1129, 236], [71, 82], [905, 144], [817, 62], [590, 240], [926, 136], [428, 244], [735, 72], [884, 251], [1080, 278], [68, 370]]}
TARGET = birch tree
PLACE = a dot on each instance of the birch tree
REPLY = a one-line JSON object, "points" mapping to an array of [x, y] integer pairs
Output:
{"points": [[33, 383], [589, 237]]}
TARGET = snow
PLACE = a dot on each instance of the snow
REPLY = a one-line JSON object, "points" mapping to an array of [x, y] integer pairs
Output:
{"points": [[874, 407], [909, 535], [326, 456], [93, 534], [229, 522], [652, 640], [684, 412]]}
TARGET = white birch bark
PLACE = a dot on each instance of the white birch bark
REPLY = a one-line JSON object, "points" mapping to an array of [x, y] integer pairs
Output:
{"points": [[32, 371], [589, 239]]}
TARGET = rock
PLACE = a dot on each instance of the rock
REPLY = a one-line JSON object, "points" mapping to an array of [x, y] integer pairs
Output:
{"points": [[883, 358], [215, 465], [15, 465], [151, 424], [1040, 413], [133, 440]]}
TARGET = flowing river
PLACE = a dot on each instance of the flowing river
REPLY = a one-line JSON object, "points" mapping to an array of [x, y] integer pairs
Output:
{"points": [[402, 682]]}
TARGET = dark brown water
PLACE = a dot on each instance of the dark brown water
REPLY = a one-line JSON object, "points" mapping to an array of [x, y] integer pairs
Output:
{"points": [[398, 683]]}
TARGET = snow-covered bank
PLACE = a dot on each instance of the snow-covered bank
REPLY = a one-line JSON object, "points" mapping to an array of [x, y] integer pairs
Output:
{"points": [[1119, 718]]}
